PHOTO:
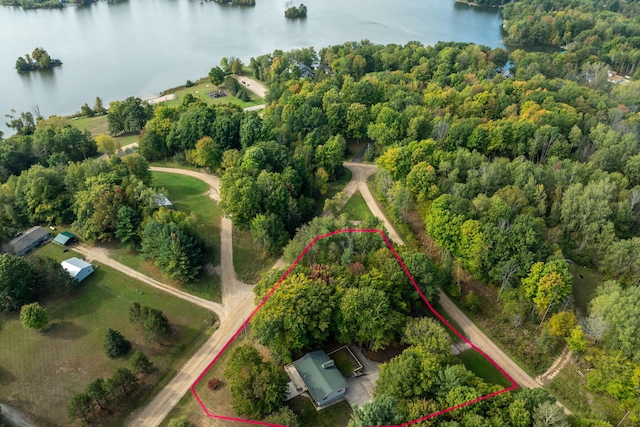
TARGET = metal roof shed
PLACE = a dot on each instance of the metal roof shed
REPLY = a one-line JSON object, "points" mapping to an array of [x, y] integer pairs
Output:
{"points": [[77, 268]]}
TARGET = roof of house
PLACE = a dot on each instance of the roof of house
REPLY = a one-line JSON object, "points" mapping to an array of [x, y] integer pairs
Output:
{"points": [[305, 70], [74, 265], [64, 237], [27, 238], [320, 374], [161, 200]]}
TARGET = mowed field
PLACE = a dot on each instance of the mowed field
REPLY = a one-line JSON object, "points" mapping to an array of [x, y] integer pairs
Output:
{"points": [[40, 371], [98, 124], [188, 195]]}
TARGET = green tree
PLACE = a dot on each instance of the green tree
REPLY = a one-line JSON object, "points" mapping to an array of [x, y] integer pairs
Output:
{"points": [[126, 380], [576, 341], [115, 344], [411, 374], [297, 316], [429, 335], [180, 422], [33, 316], [208, 153], [140, 363], [561, 324], [257, 387], [269, 232], [548, 284], [176, 250], [127, 227], [216, 76], [98, 107], [97, 391], [80, 406], [16, 282], [128, 116], [358, 120], [284, 416], [329, 156], [52, 278], [381, 411], [106, 144], [376, 329], [154, 324]]}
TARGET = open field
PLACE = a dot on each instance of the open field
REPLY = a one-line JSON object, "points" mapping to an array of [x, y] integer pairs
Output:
{"points": [[356, 208], [249, 260], [476, 363], [201, 90], [98, 124], [585, 282], [40, 371]]}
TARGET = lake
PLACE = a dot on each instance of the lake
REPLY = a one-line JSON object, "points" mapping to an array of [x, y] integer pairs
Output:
{"points": [[141, 47]]}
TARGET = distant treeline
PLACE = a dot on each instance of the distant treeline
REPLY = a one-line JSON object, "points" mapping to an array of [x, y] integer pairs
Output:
{"points": [[238, 2], [295, 12]]}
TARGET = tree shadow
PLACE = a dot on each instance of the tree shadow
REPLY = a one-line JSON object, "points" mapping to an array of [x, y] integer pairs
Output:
{"points": [[6, 377], [65, 330]]}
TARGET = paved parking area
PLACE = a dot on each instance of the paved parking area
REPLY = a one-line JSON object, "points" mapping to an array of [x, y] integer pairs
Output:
{"points": [[360, 389]]}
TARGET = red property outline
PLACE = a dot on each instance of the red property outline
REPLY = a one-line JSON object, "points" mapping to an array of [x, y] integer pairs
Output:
{"points": [[514, 385]]}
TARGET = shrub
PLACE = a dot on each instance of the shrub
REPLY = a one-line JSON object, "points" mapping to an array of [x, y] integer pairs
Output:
{"points": [[33, 316], [213, 383], [180, 422], [472, 301], [141, 363], [189, 83]]}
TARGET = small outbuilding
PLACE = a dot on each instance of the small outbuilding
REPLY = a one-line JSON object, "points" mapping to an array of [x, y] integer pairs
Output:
{"points": [[28, 240], [321, 378], [77, 268], [65, 238], [163, 202]]}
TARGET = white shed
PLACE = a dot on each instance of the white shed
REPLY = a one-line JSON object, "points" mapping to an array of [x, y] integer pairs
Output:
{"points": [[77, 268]]}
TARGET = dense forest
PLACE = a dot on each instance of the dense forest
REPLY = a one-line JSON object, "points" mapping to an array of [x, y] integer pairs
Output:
{"points": [[518, 165]]}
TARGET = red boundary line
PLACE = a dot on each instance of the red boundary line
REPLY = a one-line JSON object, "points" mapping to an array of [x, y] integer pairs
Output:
{"points": [[514, 385]]}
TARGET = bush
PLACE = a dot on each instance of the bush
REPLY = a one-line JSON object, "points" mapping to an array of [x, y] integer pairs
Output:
{"points": [[141, 363], [242, 95], [115, 344], [179, 422], [213, 383], [472, 301], [189, 83], [33, 316]]}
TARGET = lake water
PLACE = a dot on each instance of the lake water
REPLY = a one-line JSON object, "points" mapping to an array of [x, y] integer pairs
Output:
{"points": [[140, 47]]}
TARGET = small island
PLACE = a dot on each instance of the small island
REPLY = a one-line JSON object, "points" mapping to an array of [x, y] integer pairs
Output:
{"points": [[39, 60], [295, 12]]}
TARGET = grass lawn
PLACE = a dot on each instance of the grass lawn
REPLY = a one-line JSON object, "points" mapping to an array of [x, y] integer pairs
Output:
{"points": [[187, 195], [201, 91], [356, 208], [99, 124], [249, 260], [584, 287], [334, 416], [40, 371], [343, 361], [480, 366]]}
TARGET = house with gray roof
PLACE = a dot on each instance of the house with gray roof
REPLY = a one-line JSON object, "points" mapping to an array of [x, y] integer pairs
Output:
{"points": [[28, 240], [317, 373]]}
